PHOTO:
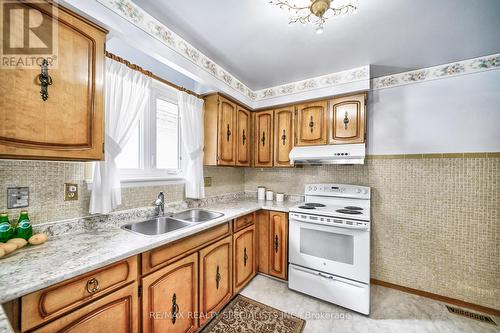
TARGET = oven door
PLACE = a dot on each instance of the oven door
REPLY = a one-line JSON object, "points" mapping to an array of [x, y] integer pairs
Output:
{"points": [[340, 251]]}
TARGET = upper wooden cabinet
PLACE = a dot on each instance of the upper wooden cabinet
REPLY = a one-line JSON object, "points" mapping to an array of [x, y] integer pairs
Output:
{"points": [[68, 125], [227, 118], [311, 123], [284, 135], [243, 139], [347, 119], [263, 139], [216, 272]]}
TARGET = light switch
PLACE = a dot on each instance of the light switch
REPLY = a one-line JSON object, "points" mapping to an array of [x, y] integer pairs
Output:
{"points": [[70, 192], [18, 197]]}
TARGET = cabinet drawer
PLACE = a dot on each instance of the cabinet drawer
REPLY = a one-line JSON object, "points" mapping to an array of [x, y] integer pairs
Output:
{"points": [[46, 304], [116, 312], [243, 221], [162, 256]]}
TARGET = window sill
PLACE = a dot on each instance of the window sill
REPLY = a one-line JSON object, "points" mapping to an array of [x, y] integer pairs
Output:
{"points": [[142, 182]]}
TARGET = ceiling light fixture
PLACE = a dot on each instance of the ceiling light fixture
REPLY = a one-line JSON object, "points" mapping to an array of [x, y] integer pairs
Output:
{"points": [[315, 11]]}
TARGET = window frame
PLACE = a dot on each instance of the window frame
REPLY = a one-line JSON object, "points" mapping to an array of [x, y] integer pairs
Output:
{"points": [[148, 172]]}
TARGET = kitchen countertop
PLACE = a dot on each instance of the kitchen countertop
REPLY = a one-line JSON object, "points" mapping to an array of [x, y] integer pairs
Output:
{"points": [[64, 257]]}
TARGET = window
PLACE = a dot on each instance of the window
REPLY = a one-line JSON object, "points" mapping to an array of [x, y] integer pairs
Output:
{"points": [[153, 151]]}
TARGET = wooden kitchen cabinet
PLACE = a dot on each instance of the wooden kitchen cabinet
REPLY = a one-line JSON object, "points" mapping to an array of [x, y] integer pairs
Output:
{"points": [[347, 119], [243, 139], [116, 312], [311, 123], [263, 240], [278, 236], [284, 135], [263, 144], [216, 283], [172, 293], [244, 257], [69, 124]]}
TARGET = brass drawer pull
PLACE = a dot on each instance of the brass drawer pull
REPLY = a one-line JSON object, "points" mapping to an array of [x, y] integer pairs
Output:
{"points": [[217, 278], [283, 137], [45, 79], [245, 256], [346, 120], [228, 133], [92, 285], [263, 140], [243, 137], [175, 309], [311, 124], [276, 243]]}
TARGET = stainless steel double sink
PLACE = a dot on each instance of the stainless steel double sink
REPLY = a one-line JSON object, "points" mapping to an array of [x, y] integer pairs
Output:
{"points": [[163, 224]]}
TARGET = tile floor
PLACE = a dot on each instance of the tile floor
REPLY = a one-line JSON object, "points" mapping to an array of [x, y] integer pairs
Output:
{"points": [[391, 311]]}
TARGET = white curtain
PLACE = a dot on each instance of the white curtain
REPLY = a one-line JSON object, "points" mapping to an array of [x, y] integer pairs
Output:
{"points": [[191, 113], [127, 94]]}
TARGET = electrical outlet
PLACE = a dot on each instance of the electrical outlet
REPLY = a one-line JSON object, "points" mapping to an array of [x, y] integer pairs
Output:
{"points": [[70, 192], [18, 197], [208, 181]]}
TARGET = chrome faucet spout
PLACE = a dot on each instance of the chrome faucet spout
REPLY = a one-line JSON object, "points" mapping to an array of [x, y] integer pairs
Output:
{"points": [[160, 203]]}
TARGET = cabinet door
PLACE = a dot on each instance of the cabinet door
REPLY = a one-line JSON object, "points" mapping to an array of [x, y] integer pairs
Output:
{"points": [[227, 117], [172, 294], [347, 119], [116, 312], [263, 240], [244, 257], [278, 235], [243, 138], [311, 123], [263, 139], [68, 125], [283, 136], [216, 283]]}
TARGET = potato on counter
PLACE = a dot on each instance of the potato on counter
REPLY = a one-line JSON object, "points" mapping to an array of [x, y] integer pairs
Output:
{"points": [[20, 242], [2, 252], [38, 239], [8, 247]]}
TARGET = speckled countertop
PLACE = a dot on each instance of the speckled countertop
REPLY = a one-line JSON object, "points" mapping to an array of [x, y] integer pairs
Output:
{"points": [[73, 254]]}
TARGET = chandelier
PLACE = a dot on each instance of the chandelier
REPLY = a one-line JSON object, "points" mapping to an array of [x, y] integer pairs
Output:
{"points": [[315, 11]]}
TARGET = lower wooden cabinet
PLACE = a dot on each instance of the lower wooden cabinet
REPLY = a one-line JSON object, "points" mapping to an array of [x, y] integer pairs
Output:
{"points": [[216, 283], [116, 312], [170, 298], [244, 257], [278, 232]]}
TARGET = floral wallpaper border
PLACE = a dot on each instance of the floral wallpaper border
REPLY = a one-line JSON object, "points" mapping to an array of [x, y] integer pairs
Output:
{"points": [[140, 18], [469, 66]]}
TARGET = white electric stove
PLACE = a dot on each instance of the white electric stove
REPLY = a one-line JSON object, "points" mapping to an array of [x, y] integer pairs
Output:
{"points": [[329, 245]]}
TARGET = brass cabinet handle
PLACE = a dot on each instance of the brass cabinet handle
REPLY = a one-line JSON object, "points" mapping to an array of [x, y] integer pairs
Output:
{"points": [[245, 256], [45, 79], [92, 285], [346, 120], [217, 278], [175, 309], [276, 243], [283, 137], [243, 137], [311, 124], [263, 140], [228, 133]]}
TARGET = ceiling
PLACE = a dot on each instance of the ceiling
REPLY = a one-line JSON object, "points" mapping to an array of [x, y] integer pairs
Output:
{"points": [[253, 40]]}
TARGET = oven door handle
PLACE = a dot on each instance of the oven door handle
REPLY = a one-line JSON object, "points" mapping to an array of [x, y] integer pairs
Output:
{"points": [[338, 225], [332, 278]]}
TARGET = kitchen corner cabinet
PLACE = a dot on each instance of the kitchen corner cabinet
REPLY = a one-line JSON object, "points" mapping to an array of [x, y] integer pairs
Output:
{"points": [[69, 123], [284, 135], [347, 119], [278, 232], [216, 283], [311, 123], [263, 145], [244, 257], [172, 294], [244, 137]]}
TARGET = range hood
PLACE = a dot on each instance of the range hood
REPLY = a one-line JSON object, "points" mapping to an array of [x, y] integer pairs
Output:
{"points": [[329, 154]]}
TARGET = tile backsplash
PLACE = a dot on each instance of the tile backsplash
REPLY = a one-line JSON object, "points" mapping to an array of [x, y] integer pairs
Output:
{"points": [[436, 221], [46, 182]]}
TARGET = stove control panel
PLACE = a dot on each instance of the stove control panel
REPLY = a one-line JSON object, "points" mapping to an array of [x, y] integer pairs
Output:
{"points": [[338, 190]]}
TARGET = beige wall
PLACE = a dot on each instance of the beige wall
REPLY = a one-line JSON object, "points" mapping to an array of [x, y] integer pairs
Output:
{"points": [[46, 182], [436, 221]]}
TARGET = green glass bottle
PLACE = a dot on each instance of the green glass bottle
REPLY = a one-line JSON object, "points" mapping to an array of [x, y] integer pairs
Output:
{"points": [[23, 228], [6, 230]]}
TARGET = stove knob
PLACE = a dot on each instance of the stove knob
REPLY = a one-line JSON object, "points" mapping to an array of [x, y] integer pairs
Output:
{"points": [[365, 191], [358, 190], [309, 188], [315, 188]]}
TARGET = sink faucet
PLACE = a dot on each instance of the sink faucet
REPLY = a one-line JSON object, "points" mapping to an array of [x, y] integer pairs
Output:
{"points": [[160, 203]]}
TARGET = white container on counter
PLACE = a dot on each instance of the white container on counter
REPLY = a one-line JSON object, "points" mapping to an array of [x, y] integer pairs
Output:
{"points": [[261, 193], [280, 197], [269, 195]]}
